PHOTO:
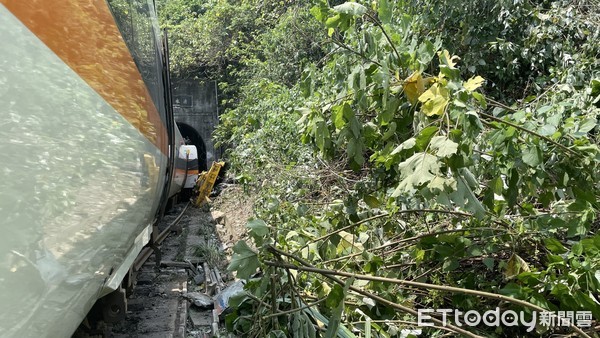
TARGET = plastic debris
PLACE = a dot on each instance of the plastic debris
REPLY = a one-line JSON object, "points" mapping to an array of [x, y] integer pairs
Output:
{"points": [[222, 298]]}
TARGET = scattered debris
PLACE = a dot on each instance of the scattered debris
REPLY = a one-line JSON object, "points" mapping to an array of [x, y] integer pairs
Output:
{"points": [[222, 299], [200, 299]]}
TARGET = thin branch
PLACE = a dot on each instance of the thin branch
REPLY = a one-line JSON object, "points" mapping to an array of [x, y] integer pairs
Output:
{"points": [[383, 246], [439, 211], [421, 285], [377, 298], [387, 37], [547, 139], [344, 46], [306, 306], [345, 228]]}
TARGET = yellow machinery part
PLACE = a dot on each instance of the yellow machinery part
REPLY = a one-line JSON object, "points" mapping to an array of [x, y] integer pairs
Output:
{"points": [[206, 181]]}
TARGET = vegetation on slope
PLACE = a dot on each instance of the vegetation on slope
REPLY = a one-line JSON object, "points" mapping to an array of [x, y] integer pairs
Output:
{"points": [[432, 154]]}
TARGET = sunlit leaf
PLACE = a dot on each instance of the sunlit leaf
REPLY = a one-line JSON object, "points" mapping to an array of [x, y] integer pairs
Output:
{"points": [[417, 170], [435, 100], [351, 8], [473, 83], [515, 266], [443, 146], [414, 86]]}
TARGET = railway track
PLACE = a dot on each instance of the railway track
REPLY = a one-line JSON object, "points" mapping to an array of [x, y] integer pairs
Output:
{"points": [[157, 305]]}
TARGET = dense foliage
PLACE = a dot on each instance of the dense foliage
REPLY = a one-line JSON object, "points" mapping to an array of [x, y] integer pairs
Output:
{"points": [[432, 154]]}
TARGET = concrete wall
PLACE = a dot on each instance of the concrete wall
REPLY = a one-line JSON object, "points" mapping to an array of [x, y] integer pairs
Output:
{"points": [[195, 104]]}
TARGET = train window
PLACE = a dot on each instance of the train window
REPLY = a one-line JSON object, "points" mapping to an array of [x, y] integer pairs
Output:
{"points": [[139, 30]]}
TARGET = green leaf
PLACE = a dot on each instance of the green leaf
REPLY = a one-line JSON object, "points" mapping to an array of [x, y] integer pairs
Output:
{"points": [[465, 198], [320, 11], [554, 245], [258, 227], [391, 130], [577, 249], [322, 136], [384, 11], [422, 140], [512, 290], [497, 185], [337, 115], [474, 251], [371, 201], [335, 296], [444, 146], [336, 314], [244, 260], [489, 263], [450, 265], [587, 125], [408, 144], [351, 8], [333, 21], [547, 130], [532, 156], [416, 171], [480, 98]]}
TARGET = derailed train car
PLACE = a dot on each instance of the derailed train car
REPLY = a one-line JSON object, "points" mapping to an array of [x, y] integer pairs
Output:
{"points": [[87, 147]]}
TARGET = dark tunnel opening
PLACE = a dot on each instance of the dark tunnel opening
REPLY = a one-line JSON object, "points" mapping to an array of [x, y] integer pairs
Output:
{"points": [[193, 137]]}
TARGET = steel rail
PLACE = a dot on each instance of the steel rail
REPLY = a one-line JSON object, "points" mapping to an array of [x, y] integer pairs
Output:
{"points": [[147, 251]]}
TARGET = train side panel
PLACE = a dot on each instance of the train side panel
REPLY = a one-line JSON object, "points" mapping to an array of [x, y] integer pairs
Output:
{"points": [[83, 155]]}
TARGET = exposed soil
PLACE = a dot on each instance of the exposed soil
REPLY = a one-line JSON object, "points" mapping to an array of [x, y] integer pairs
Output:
{"points": [[236, 208]]}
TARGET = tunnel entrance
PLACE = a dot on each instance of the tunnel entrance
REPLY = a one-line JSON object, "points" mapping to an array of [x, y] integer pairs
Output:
{"points": [[193, 138]]}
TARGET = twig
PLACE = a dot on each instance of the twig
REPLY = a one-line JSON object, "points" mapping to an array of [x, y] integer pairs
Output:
{"points": [[306, 306], [387, 37], [439, 211], [345, 228], [383, 246], [547, 139], [344, 46], [406, 322], [377, 298], [421, 285]]}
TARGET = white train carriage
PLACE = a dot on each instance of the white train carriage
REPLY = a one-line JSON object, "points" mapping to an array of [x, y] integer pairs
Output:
{"points": [[87, 145]]}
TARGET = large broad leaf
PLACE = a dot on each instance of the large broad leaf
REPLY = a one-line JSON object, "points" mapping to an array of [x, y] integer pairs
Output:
{"points": [[515, 266], [554, 245], [414, 86], [258, 227], [532, 156], [473, 83], [435, 100], [416, 171], [424, 136], [465, 197], [444, 146], [244, 260], [351, 8]]}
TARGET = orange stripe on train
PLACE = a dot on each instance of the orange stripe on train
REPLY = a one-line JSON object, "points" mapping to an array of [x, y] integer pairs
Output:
{"points": [[85, 36]]}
